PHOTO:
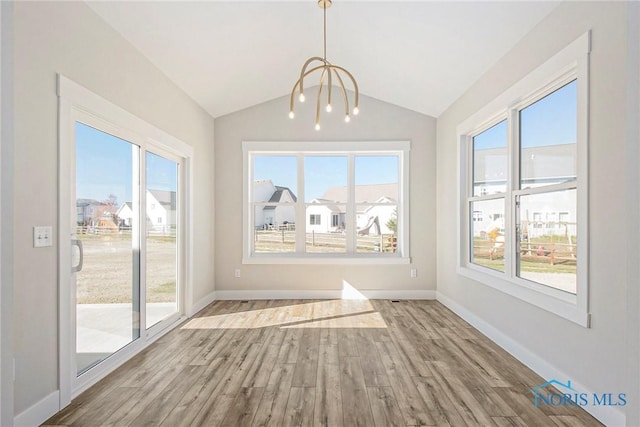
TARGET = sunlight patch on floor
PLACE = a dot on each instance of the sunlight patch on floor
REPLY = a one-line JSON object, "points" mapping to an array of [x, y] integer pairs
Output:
{"points": [[347, 313]]}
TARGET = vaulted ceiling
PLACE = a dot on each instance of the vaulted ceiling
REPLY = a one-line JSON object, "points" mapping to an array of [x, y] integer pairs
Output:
{"points": [[230, 55]]}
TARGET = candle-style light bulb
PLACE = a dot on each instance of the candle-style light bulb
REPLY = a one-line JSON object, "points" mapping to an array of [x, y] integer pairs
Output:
{"points": [[301, 97], [291, 114]]}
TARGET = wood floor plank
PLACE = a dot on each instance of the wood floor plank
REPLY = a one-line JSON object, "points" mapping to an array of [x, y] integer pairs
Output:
{"points": [[372, 367], [214, 410], [354, 393], [347, 343], [328, 406], [273, 404], [385, 409], [440, 407], [413, 408], [468, 406], [244, 407], [509, 422], [299, 412], [259, 373], [290, 346], [197, 395], [112, 402], [324, 363], [307, 362], [154, 413]]}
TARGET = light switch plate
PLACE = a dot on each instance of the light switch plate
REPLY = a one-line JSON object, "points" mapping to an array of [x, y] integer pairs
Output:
{"points": [[42, 236]]}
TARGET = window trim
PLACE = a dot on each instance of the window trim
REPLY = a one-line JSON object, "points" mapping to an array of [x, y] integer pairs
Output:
{"points": [[300, 149], [570, 63]]}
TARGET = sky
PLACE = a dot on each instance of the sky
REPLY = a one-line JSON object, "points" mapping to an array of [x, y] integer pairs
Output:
{"points": [[104, 166], [323, 172], [550, 121]]}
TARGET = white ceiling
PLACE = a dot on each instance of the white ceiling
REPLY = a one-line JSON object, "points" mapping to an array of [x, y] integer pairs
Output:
{"points": [[229, 55]]}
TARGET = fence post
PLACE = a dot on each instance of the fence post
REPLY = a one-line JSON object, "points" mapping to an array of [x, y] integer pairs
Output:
{"points": [[313, 237], [283, 235], [553, 252]]}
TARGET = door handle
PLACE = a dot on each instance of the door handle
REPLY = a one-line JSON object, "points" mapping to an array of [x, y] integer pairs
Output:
{"points": [[78, 243]]}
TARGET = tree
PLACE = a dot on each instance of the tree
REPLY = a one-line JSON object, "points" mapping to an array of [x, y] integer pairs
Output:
{"points": [[392, 224]]}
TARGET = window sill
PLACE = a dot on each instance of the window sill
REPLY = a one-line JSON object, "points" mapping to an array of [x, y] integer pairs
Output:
{"points": [[325, 259], [560, 303]]}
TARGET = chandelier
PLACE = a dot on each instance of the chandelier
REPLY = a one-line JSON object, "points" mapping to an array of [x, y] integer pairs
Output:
{"points": [[328, 72]]}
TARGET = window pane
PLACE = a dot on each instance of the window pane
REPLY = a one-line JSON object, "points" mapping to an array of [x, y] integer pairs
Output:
{"points": [[161, 243], [325, 179], [325, 232], [490, 160], [376, 179], [274, 194], [377, 228], [487, 225], [272, 237], [548, 134], [547, 239]]}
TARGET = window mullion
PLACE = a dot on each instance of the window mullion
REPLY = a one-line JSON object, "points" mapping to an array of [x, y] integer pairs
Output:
{"points": [[351, 205], [301, 209], [513, 184]]}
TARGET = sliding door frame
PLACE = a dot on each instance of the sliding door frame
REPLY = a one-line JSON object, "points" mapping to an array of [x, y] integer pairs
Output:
{"points": [[76, 103]]}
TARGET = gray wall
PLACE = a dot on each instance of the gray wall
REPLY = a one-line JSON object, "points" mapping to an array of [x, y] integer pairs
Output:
{"points": [[68, 38], [270, 122], [594, 357]]}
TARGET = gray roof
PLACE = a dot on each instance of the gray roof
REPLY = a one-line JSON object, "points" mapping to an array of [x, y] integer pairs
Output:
{"points": [[277, 195], [165, 198]]}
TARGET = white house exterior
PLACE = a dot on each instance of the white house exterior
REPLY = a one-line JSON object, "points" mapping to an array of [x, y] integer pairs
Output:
{"points": [[271, 208], [376, 204], [161, 211], [125, 214], [540, 215]]}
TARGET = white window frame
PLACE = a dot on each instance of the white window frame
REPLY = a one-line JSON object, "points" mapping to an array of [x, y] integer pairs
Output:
{"points": [[569, 64], [349, 149]]}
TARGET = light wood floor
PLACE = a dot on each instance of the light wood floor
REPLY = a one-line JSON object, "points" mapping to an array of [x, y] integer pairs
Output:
{"points": [[320, 363]]}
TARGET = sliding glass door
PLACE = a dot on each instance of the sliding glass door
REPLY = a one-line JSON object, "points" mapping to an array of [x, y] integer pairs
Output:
{"points": [[161, 243], [107, 279], [125, 243]]}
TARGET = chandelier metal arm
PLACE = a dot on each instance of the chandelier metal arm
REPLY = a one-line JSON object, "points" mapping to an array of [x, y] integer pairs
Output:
{"points": [[303, 70], [324, 73], [299, 82], [353, 81], [344, 93], [328, 70]]}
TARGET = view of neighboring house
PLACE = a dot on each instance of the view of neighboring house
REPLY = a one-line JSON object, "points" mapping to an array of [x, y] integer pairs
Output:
{"points": [[272, 213], [161, 211], [541, 215], [124, 214], [376, 205], [92, 213]]}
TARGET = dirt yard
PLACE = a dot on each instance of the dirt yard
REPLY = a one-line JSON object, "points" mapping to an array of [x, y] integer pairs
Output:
{"points": [[108, 269]]}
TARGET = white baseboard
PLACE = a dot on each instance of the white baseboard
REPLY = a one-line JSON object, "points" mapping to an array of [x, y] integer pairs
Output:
{"points": [[202, 303], [324, 294], [39, 412], [608, 415]]}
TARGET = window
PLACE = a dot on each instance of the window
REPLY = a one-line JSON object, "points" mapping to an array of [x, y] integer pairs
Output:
{"points": [[523, 162], [347, 199]]}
